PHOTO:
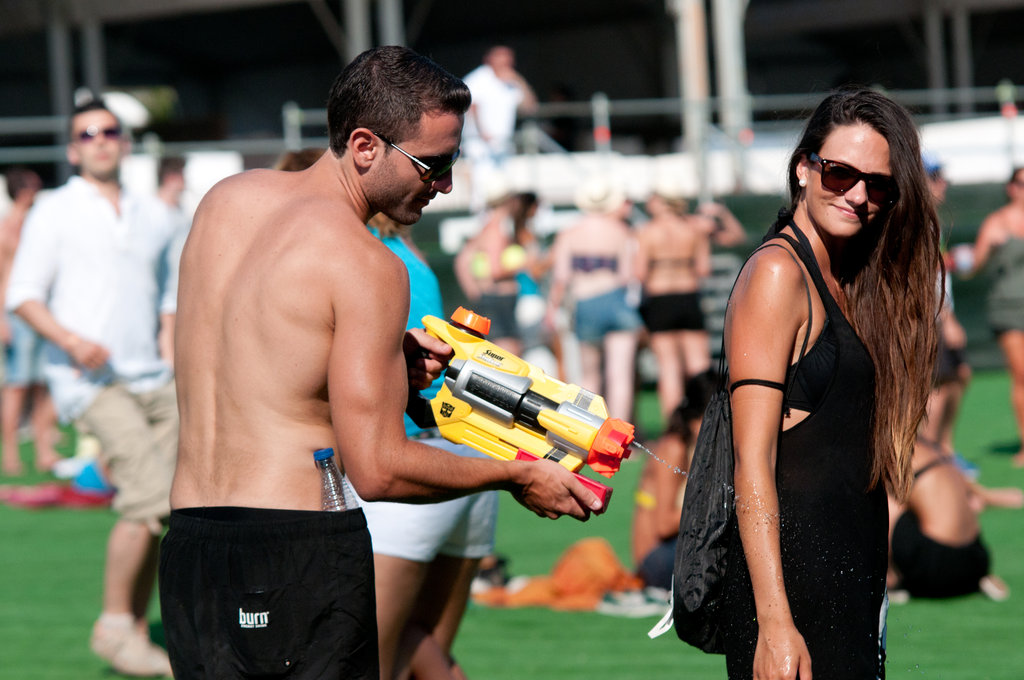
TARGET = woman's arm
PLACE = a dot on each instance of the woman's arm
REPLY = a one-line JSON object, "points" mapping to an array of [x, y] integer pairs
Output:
{"points": [[991, 234], [627, 263], [702, 256], [728, 231], [463, 270], [560, 272], [642, 261], [767, 313]]}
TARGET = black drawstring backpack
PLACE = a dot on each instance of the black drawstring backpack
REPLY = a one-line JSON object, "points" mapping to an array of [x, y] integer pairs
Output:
{"points": [[708, 508]]}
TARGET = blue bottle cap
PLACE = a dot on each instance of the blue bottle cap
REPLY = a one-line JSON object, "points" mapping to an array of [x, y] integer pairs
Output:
{"points": [[323, 454]]}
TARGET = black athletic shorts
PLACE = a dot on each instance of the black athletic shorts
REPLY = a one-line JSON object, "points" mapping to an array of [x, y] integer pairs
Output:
{"points": [[931, 569], [674, 312], [948, 361], [247, 593]]}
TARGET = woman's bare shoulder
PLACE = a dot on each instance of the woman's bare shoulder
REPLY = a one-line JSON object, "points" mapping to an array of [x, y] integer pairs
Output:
{"points": [[772, 269]]}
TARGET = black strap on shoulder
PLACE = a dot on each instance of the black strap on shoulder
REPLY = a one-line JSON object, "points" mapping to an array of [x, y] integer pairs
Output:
{"points": [[803, 348]]}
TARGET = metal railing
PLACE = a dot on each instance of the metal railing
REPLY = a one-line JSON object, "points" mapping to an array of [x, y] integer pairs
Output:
{"points": [[769, 112]]}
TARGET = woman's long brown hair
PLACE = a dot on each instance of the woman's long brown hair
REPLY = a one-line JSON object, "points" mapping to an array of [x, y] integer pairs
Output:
{"points": [[889, 277]]}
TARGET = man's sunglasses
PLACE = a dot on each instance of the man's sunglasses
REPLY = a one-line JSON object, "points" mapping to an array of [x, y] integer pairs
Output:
{"points": [[432, 169], [92, 132], [840, 177]]}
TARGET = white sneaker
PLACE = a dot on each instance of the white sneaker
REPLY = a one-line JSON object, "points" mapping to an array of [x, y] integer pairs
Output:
{"points": [[634, 604], [130, 651], [994, 588]]}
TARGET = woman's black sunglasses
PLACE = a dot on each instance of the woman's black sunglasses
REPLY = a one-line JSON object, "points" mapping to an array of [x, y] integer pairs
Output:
{"points": [[840, 177]]}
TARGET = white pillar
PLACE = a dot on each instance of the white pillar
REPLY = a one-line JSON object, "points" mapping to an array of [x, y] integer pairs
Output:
{"points": [[691, 38], [734, 100], [58, 39], [390, 22], [94, 61], [963, 68], [935, 45], [357, 27]]}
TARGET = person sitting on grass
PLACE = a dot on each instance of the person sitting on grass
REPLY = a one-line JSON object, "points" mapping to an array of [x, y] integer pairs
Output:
{"points": [[659, 494], [935, 541]]}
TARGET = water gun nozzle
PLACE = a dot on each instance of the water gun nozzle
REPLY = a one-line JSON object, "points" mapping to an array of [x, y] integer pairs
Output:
{"points": [[611, 446]]}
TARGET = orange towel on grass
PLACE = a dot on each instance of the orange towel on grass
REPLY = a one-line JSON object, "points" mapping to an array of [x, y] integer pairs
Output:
{"points": [[583, 574]]}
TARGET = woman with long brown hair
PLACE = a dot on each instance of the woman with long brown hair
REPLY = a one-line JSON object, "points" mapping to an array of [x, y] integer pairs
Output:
{"points": [[851, 271]]}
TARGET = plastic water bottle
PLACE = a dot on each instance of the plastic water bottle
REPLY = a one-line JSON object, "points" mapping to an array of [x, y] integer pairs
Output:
{"points": [[335, 493]]}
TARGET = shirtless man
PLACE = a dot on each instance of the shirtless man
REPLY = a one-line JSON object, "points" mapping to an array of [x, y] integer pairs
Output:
{"points": [[291, 321]]}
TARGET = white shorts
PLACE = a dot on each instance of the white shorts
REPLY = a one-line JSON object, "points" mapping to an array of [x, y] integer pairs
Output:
{"points": [[462, 527]]}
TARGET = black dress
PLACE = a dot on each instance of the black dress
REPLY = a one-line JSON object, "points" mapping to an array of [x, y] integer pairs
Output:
{"points": [[833, 531]]}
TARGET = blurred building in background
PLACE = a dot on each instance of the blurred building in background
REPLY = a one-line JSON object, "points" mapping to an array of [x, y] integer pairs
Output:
{"points": [[718, 82]]}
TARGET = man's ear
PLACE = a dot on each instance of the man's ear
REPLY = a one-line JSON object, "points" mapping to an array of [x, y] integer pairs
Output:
{"points": [[74, 158], [364, 147]]}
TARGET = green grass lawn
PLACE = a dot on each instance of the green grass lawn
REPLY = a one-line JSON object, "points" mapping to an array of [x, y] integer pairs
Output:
{"points": [[51, 565]]}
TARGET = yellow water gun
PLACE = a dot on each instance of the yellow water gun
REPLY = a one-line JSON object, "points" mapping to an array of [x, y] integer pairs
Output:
{"points": [[509, 409]]}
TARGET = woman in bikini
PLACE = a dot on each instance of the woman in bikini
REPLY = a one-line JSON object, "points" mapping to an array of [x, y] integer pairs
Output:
{"points": [[593, 267], [673, 257]]}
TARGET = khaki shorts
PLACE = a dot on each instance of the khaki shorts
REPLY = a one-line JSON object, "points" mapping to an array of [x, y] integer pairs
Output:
{"points": [[138, 435]]}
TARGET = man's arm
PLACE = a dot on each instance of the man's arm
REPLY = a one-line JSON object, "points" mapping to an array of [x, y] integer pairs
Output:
{"points": [[82, 351], [7, 248], [165, 338], [528, 102], [367, 377], [32, 274]]}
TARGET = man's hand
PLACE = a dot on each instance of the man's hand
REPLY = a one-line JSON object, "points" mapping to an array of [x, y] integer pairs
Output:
{"points": [[86, 353], [551, 491], [425, 356]]}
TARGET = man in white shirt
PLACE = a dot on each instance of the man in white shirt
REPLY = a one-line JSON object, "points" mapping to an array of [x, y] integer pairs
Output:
{"points": [[94, 275], [499, 94]]}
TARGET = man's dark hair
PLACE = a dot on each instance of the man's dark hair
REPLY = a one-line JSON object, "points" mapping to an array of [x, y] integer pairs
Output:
{"points": [[18, 179], [94, 104], [388, 89], [169, 165]]}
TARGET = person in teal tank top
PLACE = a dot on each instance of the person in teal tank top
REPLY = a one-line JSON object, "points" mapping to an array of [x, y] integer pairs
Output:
{"points": [[436, 545], [424, 297]]}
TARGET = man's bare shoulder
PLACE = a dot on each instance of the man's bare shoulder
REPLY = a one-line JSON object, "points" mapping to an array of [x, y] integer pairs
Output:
{"points": [[299, 222], [244, 188]]}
